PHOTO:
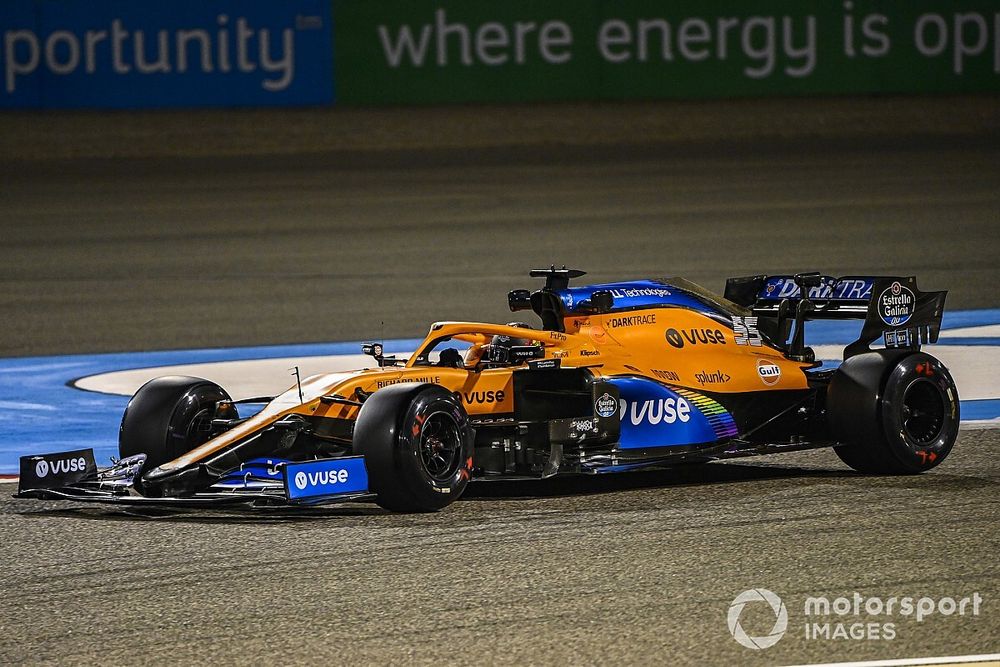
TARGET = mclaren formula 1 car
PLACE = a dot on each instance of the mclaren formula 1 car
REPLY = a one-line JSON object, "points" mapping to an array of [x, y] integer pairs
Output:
{"points": [[616, 377]]}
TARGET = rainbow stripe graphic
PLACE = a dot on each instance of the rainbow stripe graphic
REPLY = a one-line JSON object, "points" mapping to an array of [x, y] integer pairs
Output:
{"points": [[721, 421]]}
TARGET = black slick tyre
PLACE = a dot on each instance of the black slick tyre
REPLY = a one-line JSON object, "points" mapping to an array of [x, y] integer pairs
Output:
{"points": [[895, 413], [417, 445], [168, 417]]}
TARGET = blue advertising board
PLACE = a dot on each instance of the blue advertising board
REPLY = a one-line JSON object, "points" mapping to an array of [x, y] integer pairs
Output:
{"points": [[325, 478], [184, 53]]}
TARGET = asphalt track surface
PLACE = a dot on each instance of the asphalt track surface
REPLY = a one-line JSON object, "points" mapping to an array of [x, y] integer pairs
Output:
{"points": [[130, 254], [105, 256]]}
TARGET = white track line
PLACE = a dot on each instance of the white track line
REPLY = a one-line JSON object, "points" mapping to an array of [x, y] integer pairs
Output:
{"points": [[946, 660], [980, 424]]}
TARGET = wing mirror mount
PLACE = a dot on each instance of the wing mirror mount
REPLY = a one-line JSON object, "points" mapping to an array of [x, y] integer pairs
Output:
{"points": [[602, 301]]}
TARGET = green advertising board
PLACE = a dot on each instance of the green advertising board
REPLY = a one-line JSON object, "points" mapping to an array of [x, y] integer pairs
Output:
{"points": [[438, 51]]}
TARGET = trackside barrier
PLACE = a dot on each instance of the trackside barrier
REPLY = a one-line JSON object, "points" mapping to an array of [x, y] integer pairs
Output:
{"points": [[432, 51], [182, 53]]}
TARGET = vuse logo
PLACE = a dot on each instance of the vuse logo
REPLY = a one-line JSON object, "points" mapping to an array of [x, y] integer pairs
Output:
{"points": [[61, 466], [323, 477]]}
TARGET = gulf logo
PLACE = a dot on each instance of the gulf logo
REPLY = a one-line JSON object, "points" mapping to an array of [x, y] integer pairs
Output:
{"points": [[768, 372]]}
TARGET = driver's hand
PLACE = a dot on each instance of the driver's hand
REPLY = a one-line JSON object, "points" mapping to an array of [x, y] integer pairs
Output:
{"points": [[474, 355]]}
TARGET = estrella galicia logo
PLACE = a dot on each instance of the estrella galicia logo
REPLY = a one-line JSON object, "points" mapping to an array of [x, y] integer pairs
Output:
{"points": [[606, 405], [674, 338], [736, 612], [896, 304]]}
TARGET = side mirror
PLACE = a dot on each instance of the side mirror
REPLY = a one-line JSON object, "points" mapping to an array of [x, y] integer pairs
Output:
{"points": [[375, 350], [519, 299], [602, 301], [806, 281]]}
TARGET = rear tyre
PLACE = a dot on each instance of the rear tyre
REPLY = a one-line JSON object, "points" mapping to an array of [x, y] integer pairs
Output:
{"points": [[168, 417], [897, 413], [417, 445]]}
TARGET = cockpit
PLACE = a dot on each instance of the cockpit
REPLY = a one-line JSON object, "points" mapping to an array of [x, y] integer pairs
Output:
{"points": [[477, 350]]}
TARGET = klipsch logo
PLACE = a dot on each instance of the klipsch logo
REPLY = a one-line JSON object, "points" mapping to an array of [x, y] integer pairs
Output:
{"points": [[896, 304]]}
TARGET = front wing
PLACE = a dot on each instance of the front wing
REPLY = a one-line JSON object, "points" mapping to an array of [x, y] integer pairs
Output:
{"points": [[261, 482]]}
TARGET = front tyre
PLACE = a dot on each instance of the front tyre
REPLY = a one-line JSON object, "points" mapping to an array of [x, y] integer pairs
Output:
{"points": [[168, 417], [895, 414], [417, 445]]}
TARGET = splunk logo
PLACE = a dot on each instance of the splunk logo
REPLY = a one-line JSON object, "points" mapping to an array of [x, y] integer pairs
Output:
{"points": [[221, 45], [304, 480], [655, 411], [43, 468]]}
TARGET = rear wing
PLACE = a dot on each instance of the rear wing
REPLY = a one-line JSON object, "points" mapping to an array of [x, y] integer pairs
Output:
{"points": [[892, 307]]}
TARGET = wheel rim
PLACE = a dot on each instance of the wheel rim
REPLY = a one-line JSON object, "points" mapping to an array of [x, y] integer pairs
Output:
{"points": [[200, 429], [440, 446], [923, 412]]}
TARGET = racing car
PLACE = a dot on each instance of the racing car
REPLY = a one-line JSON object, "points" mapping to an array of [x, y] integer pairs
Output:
{"points": [[614, 377]]}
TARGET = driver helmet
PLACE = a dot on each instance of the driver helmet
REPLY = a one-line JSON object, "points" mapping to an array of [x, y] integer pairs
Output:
{"points": [[498, 351]]}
